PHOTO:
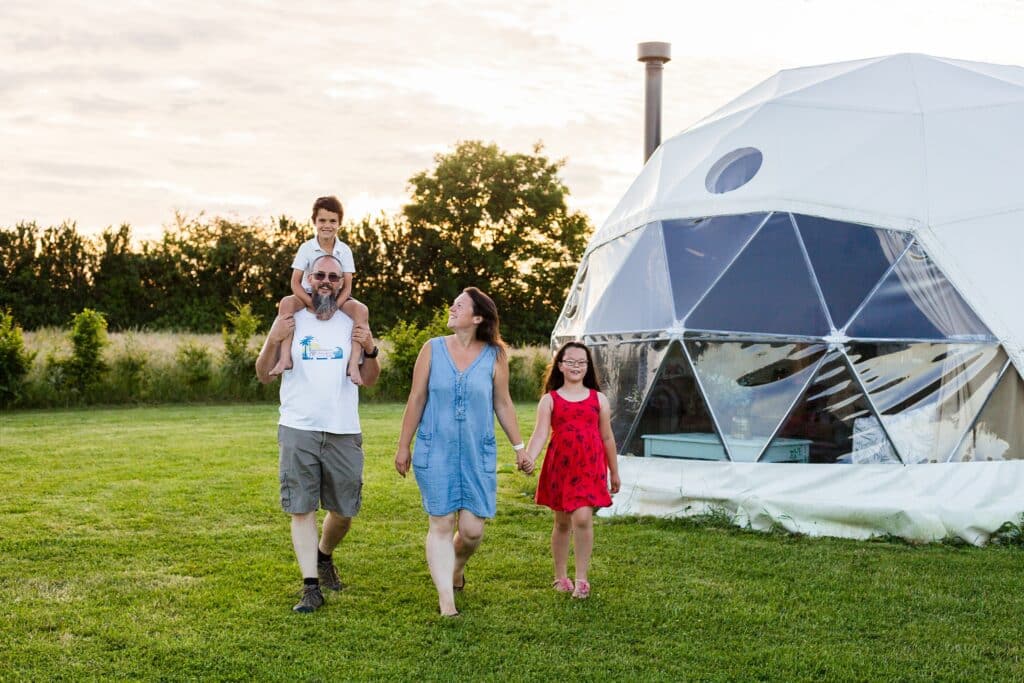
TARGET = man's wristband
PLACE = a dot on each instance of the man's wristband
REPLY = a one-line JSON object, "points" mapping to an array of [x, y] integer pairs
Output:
{"points": [[519, 446], [372, 354]]}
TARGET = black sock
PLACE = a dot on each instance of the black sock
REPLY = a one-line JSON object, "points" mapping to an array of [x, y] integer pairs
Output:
{"points": [[322, 557], [311, 582]]}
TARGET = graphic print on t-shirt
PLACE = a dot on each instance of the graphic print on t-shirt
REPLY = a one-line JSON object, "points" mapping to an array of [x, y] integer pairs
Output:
{"points": [[311, 350]]}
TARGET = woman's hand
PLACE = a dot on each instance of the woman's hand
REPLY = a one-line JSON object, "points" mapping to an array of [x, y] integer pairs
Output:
{"points": [[524, 463], [616, 483], [402, 459]]}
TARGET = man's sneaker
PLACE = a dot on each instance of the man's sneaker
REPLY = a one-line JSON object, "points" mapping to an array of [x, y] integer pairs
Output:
{"points": [[328, 574], [312, 599]]}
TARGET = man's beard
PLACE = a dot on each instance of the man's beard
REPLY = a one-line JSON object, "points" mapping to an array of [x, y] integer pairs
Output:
{"points": [[325, 305]]}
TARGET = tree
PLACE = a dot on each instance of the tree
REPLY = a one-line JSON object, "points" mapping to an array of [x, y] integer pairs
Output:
{"points": [[498, 221]]}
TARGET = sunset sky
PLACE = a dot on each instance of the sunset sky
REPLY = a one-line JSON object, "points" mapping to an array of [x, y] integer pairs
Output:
{"points": [[126, 111]]}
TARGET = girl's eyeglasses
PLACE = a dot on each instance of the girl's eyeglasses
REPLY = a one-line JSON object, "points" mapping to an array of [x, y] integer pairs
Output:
{"points": [[321, 275], [574, 363]]}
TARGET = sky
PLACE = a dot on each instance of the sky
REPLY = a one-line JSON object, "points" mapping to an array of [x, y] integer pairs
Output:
{"points": [[127, 111]]}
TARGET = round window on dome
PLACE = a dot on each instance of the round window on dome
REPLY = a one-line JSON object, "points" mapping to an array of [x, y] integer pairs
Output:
{"points": [[734, 170]]}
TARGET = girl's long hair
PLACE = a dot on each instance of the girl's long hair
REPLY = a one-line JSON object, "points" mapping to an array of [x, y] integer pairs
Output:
{"points": [[488, 331], [556, 379]]}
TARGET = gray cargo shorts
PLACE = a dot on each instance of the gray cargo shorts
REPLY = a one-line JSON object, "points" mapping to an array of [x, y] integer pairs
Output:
{"points": [[319, 468]]}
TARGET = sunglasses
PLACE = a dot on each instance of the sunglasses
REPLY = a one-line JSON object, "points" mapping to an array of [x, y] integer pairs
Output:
{"points": [[320, 276]]}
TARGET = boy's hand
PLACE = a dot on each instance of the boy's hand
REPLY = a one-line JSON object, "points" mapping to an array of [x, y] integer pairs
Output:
{"points": [[363, 335]]}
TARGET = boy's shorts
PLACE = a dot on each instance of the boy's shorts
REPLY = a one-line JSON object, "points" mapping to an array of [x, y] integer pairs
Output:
{"points": [[320, 469]]}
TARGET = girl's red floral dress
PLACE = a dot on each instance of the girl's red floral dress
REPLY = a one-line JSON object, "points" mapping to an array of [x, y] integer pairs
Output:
{"points": [[575, 472]]}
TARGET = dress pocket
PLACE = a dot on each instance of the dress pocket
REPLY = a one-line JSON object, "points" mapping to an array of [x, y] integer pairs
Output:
{"points": [[421, 450], [489, 451]]}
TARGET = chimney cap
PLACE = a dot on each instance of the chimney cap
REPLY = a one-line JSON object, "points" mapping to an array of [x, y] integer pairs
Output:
{"points": [[654, 52]]}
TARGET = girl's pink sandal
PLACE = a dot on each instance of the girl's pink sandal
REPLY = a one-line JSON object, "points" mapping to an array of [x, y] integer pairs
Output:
{"points": [[582, 591], [563, 585]]}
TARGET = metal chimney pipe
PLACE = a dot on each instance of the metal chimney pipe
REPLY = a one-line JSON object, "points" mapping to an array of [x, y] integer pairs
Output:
{"points": [[654, 55]]}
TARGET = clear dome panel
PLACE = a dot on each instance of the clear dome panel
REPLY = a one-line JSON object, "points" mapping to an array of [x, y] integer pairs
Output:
{"points": [[916, 301], [848, 260], [767, 289], [998, 433], [926, 394], [833, 422], [675, 421], [639, 295], [626, 371], [602, 266], [750, 387], [700, 249]]}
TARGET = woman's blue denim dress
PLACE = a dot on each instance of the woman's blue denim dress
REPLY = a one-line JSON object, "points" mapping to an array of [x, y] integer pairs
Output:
{"points": [[455, 457]]}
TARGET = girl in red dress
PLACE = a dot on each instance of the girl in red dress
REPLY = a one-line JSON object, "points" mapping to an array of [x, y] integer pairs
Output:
{"points": [[581, 455]]}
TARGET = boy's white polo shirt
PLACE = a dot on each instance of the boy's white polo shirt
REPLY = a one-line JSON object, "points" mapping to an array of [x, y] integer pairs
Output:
{"points": [[311, 251]]}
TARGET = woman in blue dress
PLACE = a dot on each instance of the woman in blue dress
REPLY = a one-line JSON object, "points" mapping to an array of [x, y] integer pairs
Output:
{"points": [[459, 384]]}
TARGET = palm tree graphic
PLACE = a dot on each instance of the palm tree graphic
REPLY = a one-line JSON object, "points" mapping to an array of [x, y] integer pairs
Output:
{"points": [[305, 342]]}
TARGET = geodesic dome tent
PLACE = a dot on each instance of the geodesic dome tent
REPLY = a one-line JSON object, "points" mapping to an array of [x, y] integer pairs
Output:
{"points": [[827, 270]]}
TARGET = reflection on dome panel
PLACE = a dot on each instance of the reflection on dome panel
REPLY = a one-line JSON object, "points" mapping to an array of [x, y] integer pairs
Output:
{"points": [[751, 386], [833, 422], [848, 260], [626, 372], [602, 265], [570, 322], [768, 289], [998, 433], [675, 421], [638, 296], [699, 249], [916, 301], [926, 394]]}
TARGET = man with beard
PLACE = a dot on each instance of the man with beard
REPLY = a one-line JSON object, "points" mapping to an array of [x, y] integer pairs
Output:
{"points": [[321, 456]]}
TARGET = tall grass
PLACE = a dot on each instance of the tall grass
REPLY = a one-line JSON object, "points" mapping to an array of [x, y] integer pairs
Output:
{"points": [[165, 367]]}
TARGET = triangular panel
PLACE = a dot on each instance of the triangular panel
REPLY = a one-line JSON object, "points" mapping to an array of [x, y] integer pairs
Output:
{"points": [[832, 423], [675, 421], [916, 301], [626, 371], [700, 249], [998, 433], [639, 296], [602, 265], [767, 289], [848, 260], [750, 387], [926, 394]]}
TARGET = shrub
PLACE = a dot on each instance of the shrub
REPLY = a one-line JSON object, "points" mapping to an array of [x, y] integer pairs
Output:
{"points": [[81, 373], [15, 360], [526, 375], [406, 339], [128, 374], [195, 364], [238, 376]]}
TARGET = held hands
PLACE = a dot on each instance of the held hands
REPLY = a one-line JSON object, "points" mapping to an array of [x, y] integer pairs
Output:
{"points": [[524, 463]]}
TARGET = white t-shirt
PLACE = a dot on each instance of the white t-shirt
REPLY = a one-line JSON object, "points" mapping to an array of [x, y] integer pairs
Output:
{"points": [[316, 393], [310, 251]]}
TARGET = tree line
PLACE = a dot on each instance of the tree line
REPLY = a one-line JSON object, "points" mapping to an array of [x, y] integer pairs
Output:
{"points": [[480, 217]]}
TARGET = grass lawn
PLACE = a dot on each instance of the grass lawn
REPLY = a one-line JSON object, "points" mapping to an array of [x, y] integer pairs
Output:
{"points": [[146, 543]]}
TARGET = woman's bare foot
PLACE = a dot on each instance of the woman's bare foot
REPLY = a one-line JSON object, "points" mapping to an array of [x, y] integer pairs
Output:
{"points": [[282, 365]]}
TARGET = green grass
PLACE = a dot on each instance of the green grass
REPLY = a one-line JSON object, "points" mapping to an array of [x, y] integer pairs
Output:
{"points": [[147, 543]]}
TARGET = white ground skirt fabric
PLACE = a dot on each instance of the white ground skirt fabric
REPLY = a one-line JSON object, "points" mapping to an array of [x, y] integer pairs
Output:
{"points": [[918, 502]]}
